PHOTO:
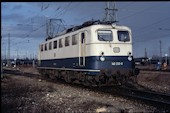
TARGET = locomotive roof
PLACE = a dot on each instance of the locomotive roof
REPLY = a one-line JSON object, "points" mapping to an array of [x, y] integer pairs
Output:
{"points": [[85, 24], [89, 23]]}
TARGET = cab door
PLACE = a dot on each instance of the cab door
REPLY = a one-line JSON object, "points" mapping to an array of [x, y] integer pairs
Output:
{"points": [[82, 49]]}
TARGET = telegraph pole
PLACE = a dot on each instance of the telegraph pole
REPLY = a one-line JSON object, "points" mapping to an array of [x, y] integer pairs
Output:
{"points": [[160, 52], [145, 53], [17, 54], [47, 27], [5, 52], [33, 60], [1, 61], [8, 61], [169, 56], [110, 12], [107, 11], [165, 29], [50, 27]]}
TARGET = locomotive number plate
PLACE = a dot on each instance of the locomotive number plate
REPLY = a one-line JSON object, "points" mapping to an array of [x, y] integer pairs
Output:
{"points": [[117, 63]]}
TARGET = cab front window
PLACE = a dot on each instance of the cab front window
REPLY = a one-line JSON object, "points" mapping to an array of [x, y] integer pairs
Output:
{"points": [[105, 35], [123, 36]]}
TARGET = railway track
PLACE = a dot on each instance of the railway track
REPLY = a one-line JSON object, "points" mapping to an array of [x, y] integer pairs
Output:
{"points": [[159, 100], [154, 70]]}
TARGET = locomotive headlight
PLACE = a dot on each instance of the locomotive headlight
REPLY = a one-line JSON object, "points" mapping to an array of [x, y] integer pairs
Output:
{"points": [[130, 58], [102, 58]]}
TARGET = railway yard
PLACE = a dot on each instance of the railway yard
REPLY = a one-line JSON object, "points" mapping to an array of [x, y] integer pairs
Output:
{"points": [[73, 57], [24, 90]]}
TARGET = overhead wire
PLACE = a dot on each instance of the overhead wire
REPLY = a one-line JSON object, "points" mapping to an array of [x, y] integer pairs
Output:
{"points": [[45, 24], [62, 13], [64, 8], [127, 5], [67, 7], [35, 15], [139, 12], [147, 26], [28, 34], [157, 22], [158, 37]]}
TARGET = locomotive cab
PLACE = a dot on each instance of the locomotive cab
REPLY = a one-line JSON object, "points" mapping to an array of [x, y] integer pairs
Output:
{"points": [[112, 47], [110, 51]]}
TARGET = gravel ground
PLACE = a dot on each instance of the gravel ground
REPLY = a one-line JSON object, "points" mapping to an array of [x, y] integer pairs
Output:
{"points": [[155, 81], [32, 94]]}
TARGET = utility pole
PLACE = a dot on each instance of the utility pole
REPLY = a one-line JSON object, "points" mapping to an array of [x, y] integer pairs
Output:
{"points": [[160, 51], [1, 61], [146, 53], [50, 27], [9, 60], [47, 27], [5, 52], [165, 29], [33, 60], [110, 12], [30, 56], [33, 55], [17, 54], [26, 55], [169, 56]]}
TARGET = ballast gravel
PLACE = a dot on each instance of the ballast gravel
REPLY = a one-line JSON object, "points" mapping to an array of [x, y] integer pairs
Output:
{"points": [[33, 94]]}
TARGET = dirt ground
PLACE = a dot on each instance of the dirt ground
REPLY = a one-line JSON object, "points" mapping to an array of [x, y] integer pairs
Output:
{"points": [[155, 81], [25, 93]]}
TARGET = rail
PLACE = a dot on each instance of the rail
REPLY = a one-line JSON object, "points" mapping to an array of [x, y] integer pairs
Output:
{"points": [[159, 100]]}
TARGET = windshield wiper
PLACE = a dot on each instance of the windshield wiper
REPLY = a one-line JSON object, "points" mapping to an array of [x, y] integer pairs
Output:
{"points": [[103, 39]]}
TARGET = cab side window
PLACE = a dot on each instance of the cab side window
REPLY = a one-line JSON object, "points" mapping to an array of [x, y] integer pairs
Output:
{"points": [[74, 39], [42, 47], [82, 37], [46, 47], [67, 41], [60, 43], [50, 44], [55, 44]]}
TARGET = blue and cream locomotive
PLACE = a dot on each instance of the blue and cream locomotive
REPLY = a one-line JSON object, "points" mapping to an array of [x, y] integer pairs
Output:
{"points": [[94, 53]]}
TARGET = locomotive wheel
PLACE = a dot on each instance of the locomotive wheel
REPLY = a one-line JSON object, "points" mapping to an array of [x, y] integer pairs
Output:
{"points": [[86, 83], [123, 80], [52, 77], [46, 76], [67, 78], [134, 79]]}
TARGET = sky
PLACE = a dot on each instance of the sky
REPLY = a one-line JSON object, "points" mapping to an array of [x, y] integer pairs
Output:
{"points": [[25, 24]]}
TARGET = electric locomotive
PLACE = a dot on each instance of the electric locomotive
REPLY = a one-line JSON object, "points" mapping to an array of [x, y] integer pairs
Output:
{"points": [[94, 53]]}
